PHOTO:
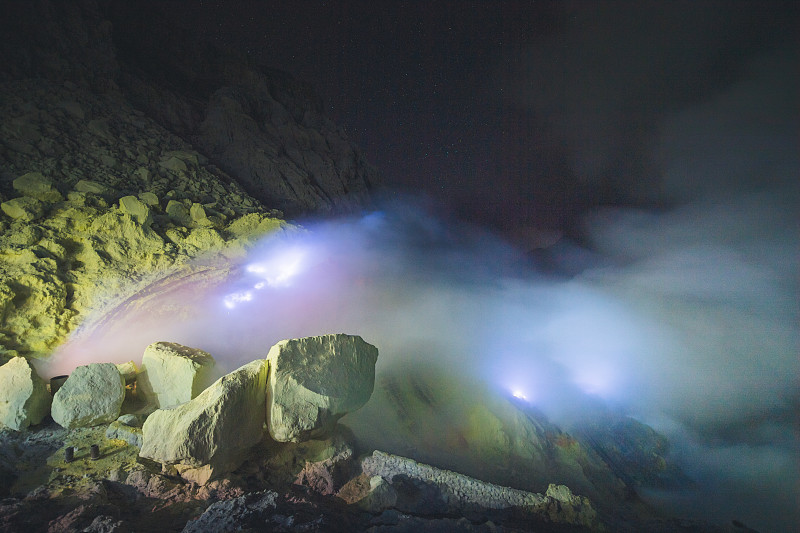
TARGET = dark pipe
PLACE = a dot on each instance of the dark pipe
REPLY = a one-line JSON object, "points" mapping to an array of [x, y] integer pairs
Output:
{"points": [[95, 452], [69, 454], [56, 382]]}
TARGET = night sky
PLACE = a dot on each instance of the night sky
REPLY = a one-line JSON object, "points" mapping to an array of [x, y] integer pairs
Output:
{"points": [[513, 115]]}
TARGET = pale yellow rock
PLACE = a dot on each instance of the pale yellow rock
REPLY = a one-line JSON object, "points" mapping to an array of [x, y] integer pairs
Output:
{"points": [[205, 239], [198, 214], [149, 198], [174, 164], [90, 396], [24, 208], [137, 209], [315, 381], [93, 187], [128, 371], [253, 225], [36, 185], [178, 213], [212, 433], [24, 398], [173, 374]]}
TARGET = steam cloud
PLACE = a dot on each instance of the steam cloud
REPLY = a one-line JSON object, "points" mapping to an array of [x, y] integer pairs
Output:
{"points": [[686, 319]]}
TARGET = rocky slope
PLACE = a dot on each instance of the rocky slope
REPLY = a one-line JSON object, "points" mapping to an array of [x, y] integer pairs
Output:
{"points": [[98, 199], [125, 156]]}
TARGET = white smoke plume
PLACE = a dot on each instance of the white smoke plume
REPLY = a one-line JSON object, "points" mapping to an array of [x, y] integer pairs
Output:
{"points": [[687, 318]]}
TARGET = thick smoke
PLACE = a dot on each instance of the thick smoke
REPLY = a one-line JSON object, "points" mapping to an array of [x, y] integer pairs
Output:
{"points": [[718, 273], [692, 106], [686, 318]]}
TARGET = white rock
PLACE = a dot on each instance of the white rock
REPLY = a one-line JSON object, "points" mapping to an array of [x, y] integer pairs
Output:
{"points": [[137, 209], [173, 374], [315, 381], [211, 433], [24, 399], [92, 395], [128, 371]]}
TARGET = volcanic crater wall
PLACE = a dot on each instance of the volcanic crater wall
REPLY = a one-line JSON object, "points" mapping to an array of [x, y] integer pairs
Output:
{"points": [[125, 153]]}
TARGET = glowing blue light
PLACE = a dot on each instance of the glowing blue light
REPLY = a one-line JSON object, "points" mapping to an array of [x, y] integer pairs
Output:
{"points": [[232, 300], [279, 269], [520, 395]]}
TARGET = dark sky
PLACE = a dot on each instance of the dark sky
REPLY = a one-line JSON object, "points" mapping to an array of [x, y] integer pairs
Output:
{"points": [[513, 114]]}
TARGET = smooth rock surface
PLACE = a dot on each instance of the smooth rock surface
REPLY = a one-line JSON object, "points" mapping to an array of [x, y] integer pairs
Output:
{"points": [[92, 395], [211, 433], [24, 399], [315, 381], [173, 374]]}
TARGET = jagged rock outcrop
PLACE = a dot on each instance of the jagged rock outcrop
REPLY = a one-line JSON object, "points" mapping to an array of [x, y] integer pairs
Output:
{"points": [[98, 198], [634, 451], [114, 231], [245, 512], [561, 505], [210, 434], [262, 126], [24, 398], [92, 395], [314, 381], [437, 491], [172, 374], [455, 490]]}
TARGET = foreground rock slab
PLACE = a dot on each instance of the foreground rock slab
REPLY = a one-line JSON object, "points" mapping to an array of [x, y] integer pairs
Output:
{"points": [[92, 395], [173, 374], [24, 399], [210, 434], [315, 381]]}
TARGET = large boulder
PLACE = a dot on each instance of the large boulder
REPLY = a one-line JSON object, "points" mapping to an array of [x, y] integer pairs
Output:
{"points": [[315, 381], [173, 374], [24, 399], [92, 395], [211, 433]]}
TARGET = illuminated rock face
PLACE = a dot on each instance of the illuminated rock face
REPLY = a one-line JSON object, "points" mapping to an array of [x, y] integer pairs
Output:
{"points": [[173, 374], [36, 185], [24, 399], [315, 381], [92, 395], [73, 247], [211, 433]]}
